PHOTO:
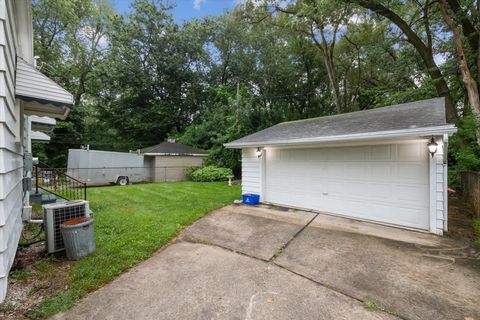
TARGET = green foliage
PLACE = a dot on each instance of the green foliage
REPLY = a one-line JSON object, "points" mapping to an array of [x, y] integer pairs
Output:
{"points": [[211, 173], [464, 152], [142, 77], [152, 75], [19, 275], [70, 39], [476, 227]]}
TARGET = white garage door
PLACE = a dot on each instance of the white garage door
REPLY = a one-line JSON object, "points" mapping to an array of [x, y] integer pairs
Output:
{"points": [[386, 183]]}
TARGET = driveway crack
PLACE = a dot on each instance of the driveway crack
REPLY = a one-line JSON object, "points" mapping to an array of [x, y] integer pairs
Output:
{"points": [[280, 251]]}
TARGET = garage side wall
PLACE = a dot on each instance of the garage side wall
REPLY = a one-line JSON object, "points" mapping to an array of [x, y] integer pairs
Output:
{"points": [[251, 172], [174, 168]]}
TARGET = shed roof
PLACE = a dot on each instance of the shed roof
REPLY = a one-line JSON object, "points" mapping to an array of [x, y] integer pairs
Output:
{"points": [[173, 148], [423, 117]]}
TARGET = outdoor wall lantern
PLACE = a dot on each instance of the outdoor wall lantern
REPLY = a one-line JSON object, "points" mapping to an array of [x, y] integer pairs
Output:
{"points": [[432, 146], [259, 152]]}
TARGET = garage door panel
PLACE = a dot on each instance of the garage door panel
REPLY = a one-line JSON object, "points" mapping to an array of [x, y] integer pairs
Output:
{"points": [[335, 170], [356, 188], [411, 217], [373, 185], [334, 187], [381, 211], [382, 171], [411, 171], [356, 170], [381, 153], [413, 194], [381, 191]]}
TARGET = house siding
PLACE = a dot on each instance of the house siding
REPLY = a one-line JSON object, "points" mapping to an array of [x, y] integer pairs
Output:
{"points": [[251, 172], [11, 150]]}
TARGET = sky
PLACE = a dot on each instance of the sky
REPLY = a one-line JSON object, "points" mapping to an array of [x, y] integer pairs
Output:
{"points": [[185, 9]]}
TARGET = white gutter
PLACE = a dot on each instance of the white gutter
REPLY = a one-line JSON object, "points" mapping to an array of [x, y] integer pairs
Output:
{"points": [[176, 154], [428, 131]]}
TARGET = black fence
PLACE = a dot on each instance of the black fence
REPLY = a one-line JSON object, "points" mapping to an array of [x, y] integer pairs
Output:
{"points": [[97, 176], [57, 182]]}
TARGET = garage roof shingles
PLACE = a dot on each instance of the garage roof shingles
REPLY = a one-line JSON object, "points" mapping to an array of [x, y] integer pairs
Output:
{"points": [[419, 114], [173, 148]]}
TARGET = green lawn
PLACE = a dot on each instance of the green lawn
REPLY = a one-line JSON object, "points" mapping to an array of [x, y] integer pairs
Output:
{"points": [[131, 223]]}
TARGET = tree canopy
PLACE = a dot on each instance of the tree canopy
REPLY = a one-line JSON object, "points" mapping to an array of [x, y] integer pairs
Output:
{"points": [[140, 78]]}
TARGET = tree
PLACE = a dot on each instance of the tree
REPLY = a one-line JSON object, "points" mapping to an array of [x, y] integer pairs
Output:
{"points": [[424, 47], [70, 41], [322, 22], [470, 84], [153, 77]]}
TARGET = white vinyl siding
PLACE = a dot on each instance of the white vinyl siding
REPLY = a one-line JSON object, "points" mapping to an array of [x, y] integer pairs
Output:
{"points": [[385, 183], [11, 160], [251, 172]]}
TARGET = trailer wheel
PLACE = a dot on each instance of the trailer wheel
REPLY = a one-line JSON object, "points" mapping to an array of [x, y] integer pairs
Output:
{"points": [[122, 181]]}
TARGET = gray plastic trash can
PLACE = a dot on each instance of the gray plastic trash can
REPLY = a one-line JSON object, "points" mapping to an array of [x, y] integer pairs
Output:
{"points": [[78, 237]]}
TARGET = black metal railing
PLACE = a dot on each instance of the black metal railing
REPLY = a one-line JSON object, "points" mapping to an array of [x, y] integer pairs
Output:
{"points": [[57, 182]]}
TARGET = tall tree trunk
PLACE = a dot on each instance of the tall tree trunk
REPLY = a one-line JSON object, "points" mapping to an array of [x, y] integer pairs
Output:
{"points": [[468, 80], [327, 53], [435, 74], [334, 84], [326, 49]]}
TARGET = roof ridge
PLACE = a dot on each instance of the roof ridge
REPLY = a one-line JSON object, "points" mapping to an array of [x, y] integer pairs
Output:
{"points": [[187, 149], [410, 104]]}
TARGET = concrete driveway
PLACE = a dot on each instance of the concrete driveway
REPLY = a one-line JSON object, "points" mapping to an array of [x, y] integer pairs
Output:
{"points": [[243, 262]]}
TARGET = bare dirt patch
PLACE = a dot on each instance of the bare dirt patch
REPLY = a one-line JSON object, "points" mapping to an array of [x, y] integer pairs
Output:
{"points": [[460, 219], [35, 275]]}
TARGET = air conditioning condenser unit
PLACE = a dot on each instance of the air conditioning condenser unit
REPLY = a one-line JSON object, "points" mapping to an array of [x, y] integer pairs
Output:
{"points": [[55, 214]]}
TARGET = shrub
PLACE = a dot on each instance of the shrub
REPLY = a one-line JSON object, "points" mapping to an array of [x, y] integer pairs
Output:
{"points": [[211, 173], [188, 171]]}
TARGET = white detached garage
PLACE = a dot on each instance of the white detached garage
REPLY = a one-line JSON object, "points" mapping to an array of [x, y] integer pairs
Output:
{"points": [[372, 165]]}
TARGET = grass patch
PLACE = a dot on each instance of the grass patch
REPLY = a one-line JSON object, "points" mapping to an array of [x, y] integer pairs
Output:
{"points": [[476, 228], [374, 306], [277, 253], [19, 275], [371, 305], [7, 308], [38, 287], [131, 223]]}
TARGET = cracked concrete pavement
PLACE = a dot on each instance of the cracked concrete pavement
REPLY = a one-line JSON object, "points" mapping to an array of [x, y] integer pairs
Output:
{"points": [[243, 262]]}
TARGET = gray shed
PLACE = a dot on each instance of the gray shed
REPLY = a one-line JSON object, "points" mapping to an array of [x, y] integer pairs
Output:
{"points": [[170, 160]]}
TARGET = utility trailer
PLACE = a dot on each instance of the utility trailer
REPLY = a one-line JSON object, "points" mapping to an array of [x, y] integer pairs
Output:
{"points": [[97, 168]]}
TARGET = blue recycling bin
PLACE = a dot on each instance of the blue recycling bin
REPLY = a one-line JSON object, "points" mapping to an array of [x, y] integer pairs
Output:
{"points": [[251, 199]]}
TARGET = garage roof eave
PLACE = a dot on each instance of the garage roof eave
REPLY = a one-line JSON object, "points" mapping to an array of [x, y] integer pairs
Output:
{"points": [[176, 154], [406, 133]]}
